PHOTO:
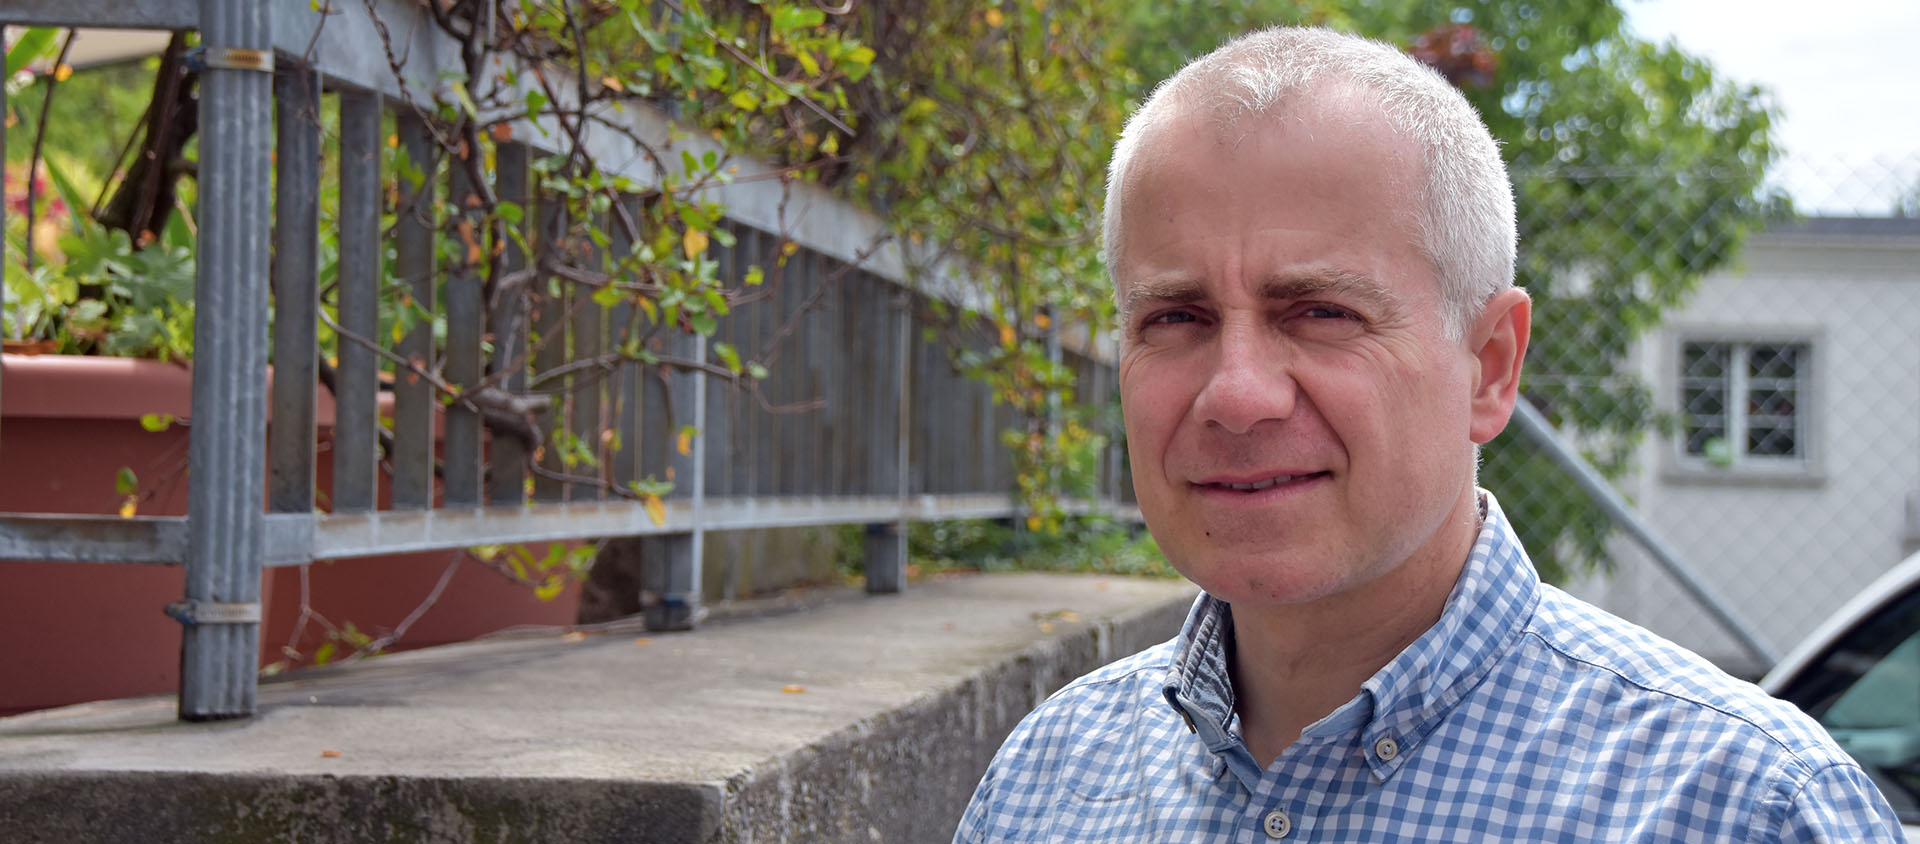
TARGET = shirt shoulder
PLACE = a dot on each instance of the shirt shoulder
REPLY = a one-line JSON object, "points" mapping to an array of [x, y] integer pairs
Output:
{"points": [[1645, 664], [1086, 741]]}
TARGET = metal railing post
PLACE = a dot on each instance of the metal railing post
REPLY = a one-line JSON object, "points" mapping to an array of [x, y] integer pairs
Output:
{"points": [[676, 578], [221, 612], [886, 565]]}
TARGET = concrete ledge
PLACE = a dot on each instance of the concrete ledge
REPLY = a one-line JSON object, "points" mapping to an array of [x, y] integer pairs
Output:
{"points": [[866, 720]]}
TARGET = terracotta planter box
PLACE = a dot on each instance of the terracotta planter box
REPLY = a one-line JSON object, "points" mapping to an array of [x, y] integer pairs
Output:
{"points": [[94, 631]]}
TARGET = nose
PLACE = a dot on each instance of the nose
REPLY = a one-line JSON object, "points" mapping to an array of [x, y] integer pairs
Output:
{"points": [[1250, 381]]}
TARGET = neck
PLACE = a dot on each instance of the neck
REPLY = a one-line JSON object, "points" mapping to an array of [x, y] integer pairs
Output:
{"points": [[1295, 664]]}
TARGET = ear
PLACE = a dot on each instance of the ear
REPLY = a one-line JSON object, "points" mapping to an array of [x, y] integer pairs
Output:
{"points": [[1498, 342]]}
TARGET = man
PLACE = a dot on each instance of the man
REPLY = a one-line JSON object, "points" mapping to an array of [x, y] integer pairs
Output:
{"points": [[1312, 241]]}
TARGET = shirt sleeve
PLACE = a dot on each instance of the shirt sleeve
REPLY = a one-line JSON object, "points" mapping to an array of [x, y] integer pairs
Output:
{"points": [[1839, 804], [973, 822]]}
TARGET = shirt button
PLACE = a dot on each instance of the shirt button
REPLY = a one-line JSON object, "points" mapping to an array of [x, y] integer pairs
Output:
{"points": [[1277, 824], [1386, 748]]}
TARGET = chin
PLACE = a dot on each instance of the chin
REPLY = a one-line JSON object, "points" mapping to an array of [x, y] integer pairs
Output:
{"points": [[1269, 579]]}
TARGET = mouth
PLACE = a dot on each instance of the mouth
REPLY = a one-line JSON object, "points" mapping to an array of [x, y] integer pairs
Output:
{"points": [[1260, 484]]}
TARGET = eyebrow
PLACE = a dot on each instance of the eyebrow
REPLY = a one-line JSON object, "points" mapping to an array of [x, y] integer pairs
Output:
{"points": [[1329, 281], [1289, 287]]}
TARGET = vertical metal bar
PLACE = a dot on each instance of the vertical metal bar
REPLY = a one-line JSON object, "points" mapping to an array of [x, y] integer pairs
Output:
{"points": [[886, 563], [507, 458], [624, 331], [1096, 404], [917, 384], [716, 471], [465, 308], [807, 432], [550, 326], [677, 581], [757, 423], [739, 404], [219, 661], [356, 445], [413, 399], [584, 387], [296, 285], [793, 378], [831, 360], [1050, 426], [864, 390]]}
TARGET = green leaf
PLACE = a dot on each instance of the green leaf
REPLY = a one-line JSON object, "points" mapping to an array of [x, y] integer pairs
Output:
{"points": [[728, 356], [807, 62], [755, 276], [651, 486], [756, 371], [786, 18], [35, 43], [156, 422], [704, 323], [608, 296], [125, 482]]}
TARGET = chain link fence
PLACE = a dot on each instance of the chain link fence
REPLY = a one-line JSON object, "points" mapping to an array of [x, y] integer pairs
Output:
{"points": [[1745, 366]]}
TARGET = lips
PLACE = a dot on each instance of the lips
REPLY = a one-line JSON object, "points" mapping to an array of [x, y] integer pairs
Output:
{"points": [[1260, 483]]}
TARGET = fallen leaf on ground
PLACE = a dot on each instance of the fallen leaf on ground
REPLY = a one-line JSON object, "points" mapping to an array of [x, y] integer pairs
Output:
{"points": [[329, 754], [794, 689], [643, 641], [575, 636]]}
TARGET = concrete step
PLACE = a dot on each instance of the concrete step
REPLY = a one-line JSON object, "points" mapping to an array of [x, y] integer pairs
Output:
{"points": [[863, 720]]}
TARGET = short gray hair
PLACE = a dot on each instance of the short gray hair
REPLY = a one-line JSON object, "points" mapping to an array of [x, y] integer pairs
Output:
{"points": [[1466, 218]]}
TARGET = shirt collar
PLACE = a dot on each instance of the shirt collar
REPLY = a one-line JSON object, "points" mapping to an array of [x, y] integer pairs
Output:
{"points": [[1489, 607]]}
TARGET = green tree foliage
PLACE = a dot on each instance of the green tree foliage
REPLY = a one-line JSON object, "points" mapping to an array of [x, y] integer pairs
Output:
{"points": [[1637, 171]]}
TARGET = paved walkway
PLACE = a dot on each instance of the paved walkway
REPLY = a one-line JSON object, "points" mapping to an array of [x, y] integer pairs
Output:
{"points": [[867, 719]]}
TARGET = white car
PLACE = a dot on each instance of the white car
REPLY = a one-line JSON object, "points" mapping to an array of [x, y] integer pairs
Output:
{"points": [[1859, 674]]}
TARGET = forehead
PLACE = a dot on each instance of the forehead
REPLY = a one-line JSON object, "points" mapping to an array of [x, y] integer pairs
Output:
{"points": [[1261, 189]]}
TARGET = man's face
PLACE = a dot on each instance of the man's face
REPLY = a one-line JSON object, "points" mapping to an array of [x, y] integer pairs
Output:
{"points": [[1297, 419]]}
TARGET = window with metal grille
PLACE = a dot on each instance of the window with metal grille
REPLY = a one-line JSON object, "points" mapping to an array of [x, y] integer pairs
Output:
{"points": [[1744, 402]]}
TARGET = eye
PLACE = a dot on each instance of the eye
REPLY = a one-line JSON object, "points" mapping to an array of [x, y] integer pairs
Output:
{"points": [[1322, 321], [1166, 318], [1327, 312]]}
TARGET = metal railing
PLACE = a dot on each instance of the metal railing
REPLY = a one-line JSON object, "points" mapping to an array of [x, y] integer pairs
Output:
{"points": [[896, 434]]}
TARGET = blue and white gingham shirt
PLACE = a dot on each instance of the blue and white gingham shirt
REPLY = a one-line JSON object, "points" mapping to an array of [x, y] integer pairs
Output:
{"points": [[1523, 715]]}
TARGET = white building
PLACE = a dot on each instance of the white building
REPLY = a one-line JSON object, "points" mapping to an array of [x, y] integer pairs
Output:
{"points": [[1790, 476]]}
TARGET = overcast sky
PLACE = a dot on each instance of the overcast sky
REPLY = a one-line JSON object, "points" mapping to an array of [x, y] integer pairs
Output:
{"points": [[1845, 74]]}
